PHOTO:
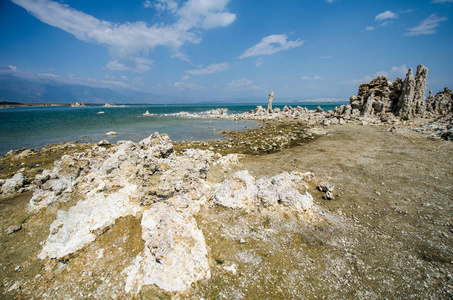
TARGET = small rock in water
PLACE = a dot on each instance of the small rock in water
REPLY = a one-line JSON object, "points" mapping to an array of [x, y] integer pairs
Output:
{"points": [[104, 142], [111, 133]]}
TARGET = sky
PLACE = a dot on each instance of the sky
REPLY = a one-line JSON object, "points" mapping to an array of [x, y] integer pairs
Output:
{"points": [[228, 49]]}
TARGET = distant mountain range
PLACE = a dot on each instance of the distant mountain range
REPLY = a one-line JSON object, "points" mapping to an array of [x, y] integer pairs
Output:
{"points": [[38, 91]]}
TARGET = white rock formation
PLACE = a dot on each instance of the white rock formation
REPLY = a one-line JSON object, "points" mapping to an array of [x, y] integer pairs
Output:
{"points": [[175, 253], [82, 223], [13, 184], [282, 191], [269, 103]]}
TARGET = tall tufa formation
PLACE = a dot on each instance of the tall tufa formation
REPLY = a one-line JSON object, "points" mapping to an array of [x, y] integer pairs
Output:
{"points": [[412, 100], [380, 97], [269, 103]]}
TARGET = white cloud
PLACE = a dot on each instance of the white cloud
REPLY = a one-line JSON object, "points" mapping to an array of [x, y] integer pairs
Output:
{"points": [[270, 45], [218, 20], [147, 4], [181, 56], [165, 5], [211, 69], [427, 26], [242, 84], [115, 65], [330, 1], [442, 1], [49, 75], [386, 15], [135, 39], [316, 77], [369, 28], [13, 68]]}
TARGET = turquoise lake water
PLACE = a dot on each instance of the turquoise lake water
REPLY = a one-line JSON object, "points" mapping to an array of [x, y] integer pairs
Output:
{"points": [[36, 127]]}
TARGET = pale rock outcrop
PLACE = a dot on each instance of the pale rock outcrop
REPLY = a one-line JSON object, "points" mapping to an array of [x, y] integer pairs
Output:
{"points": [[127, 180], [82, 223], [13, 184], [239, 191], [175, 253], [283, 191], [442, 103], [260, 111]]}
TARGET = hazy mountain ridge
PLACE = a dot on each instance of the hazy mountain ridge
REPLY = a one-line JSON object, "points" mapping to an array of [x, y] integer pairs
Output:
{"points": [[24, 90]]}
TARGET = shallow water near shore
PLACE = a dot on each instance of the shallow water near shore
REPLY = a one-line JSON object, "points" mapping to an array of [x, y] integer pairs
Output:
{"points": [[35, 127]]}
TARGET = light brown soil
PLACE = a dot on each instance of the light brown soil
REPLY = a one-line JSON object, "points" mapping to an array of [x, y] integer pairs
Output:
{"points": [[388, 233]]}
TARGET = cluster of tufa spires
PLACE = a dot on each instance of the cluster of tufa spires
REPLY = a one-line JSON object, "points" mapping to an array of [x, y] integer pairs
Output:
{"points": [[406, 97]]}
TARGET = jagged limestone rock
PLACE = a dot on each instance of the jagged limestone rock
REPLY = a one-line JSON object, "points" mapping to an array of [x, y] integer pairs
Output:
{"points": [[440, 104], [82, 223], [405, 102], [381, 98], [281, 192], [175, 253], [13, 184]]}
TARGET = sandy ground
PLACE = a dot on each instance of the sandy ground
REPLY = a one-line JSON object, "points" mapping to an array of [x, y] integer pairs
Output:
{"points": [[388, 234], [395, 198]]}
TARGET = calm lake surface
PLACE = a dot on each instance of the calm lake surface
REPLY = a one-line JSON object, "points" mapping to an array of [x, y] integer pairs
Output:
{"points": [[35, 127]]}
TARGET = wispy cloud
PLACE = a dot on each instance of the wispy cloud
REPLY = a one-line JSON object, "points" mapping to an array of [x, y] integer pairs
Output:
{"points": [[386, 15], [211, 69], [442, 1], [427, 26], [115, 65], [184, 84], [242, 84], [131, 40], [270, 45], [181, 56], [316, 77]]}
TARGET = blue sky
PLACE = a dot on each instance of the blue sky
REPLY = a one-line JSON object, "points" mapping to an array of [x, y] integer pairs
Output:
{"points": [[228, 49]]}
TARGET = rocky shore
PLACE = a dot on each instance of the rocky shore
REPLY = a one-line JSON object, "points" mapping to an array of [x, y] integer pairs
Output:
{"points": [[351, 203]]}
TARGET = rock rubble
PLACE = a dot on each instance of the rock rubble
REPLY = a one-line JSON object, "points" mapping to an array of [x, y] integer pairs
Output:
{"points": [[148, 180]]}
